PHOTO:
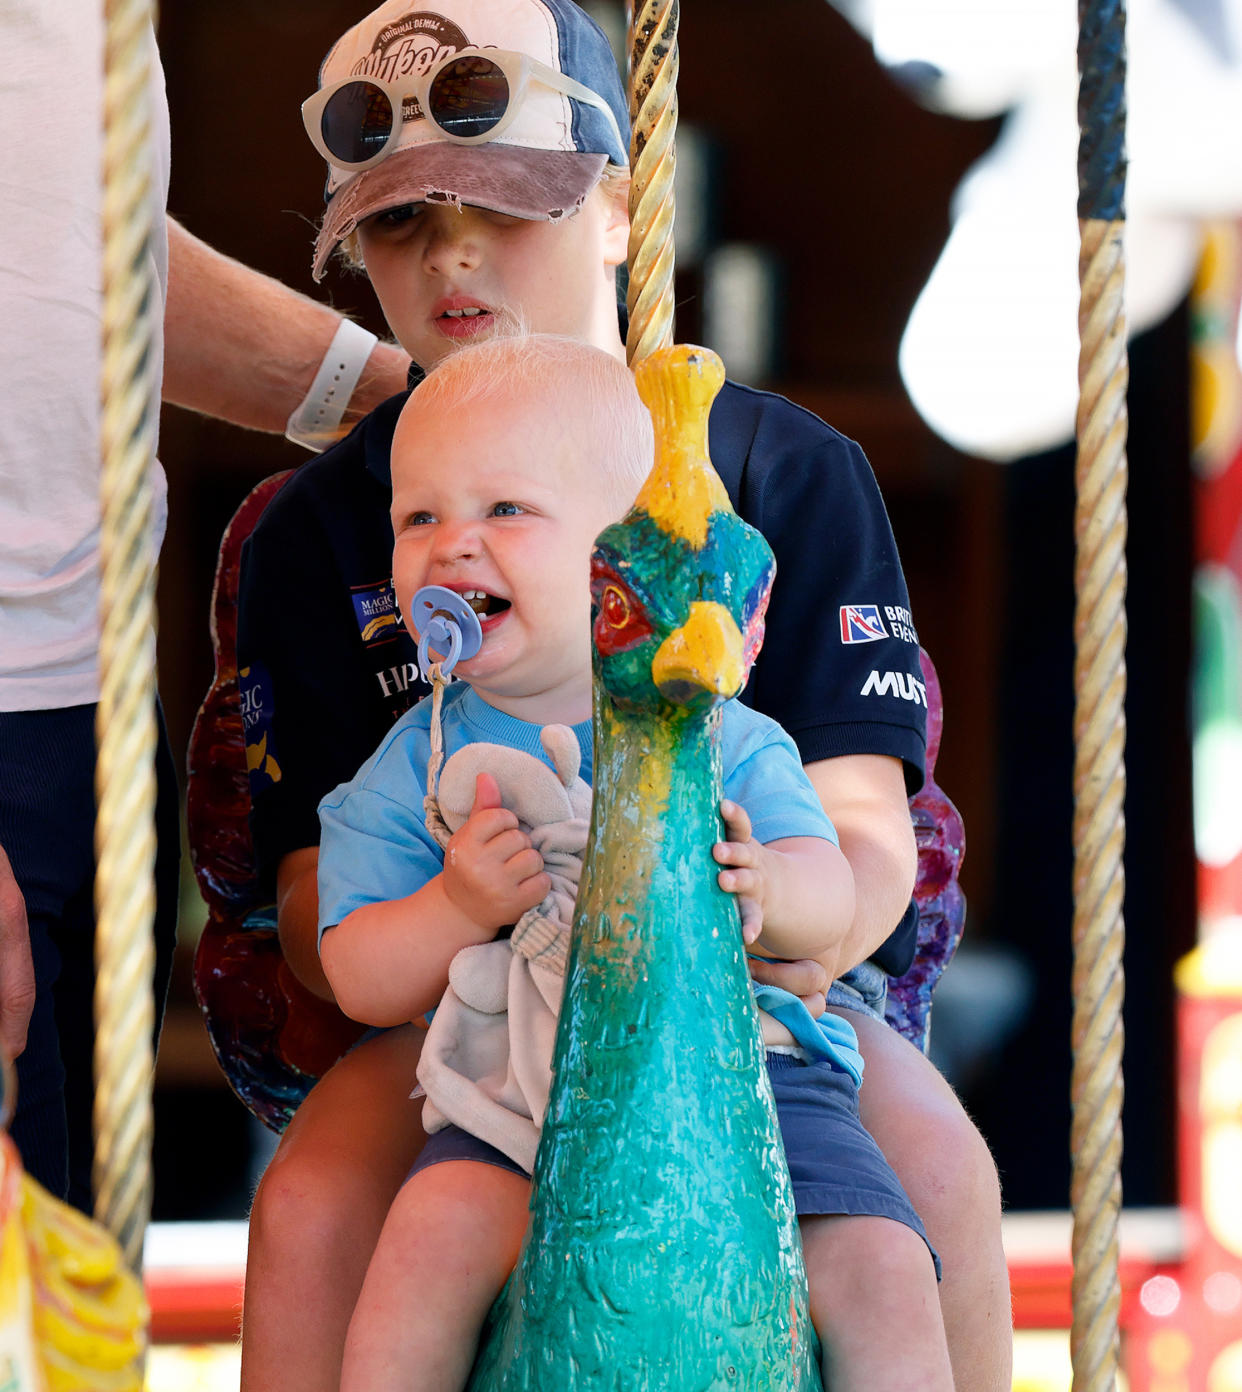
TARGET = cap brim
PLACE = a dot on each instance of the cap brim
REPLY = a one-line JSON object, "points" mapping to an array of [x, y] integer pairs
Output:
{"points": [[541, 185]]}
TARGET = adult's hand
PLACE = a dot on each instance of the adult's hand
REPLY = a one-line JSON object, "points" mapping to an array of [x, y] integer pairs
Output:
{"points": [[17, 979], [808, 979]]}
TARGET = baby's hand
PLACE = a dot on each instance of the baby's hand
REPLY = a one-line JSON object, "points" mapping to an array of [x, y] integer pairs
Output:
{"points": [[492, 873], [748, 877]]}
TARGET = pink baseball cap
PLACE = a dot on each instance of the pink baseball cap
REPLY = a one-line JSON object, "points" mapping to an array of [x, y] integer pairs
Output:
{"points": [[552, 76]]}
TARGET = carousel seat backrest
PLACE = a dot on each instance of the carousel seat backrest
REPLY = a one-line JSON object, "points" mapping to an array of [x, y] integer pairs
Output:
{"points": [[274, 1038]]}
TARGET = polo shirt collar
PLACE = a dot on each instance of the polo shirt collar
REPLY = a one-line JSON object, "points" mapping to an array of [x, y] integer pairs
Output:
{"points": [[377, 432]]}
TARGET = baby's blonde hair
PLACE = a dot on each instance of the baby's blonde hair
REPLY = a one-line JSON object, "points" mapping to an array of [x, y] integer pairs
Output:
{"points": [[594, 390]]}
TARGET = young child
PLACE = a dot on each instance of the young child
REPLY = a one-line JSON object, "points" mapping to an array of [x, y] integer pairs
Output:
{"points": [[456, 237], [507, 462]]}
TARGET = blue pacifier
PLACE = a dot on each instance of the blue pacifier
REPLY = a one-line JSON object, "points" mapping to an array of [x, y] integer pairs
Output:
{"points": [[446, 623]]}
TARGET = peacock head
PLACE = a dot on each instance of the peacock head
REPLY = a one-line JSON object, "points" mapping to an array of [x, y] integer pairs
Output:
{"points": [[679, 587]]}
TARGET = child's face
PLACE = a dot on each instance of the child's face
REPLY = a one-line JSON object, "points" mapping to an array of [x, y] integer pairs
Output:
{"points": [[429, 262], [497, 503]]}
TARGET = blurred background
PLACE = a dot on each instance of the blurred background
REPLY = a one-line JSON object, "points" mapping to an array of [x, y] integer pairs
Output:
{"points": [[818, 186]]}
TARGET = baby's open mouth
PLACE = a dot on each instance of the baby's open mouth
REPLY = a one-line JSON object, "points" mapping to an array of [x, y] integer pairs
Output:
{"points": [[484, 604]]}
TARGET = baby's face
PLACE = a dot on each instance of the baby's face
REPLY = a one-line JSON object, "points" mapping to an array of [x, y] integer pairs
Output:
{"points": [[495, 502]]}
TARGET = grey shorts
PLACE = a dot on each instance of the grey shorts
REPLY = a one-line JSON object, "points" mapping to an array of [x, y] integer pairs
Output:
{"points": [[864, 989], [834, 1165]]}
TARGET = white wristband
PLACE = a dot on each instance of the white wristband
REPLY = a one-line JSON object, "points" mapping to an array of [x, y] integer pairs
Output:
{"points": [[317, 419]]}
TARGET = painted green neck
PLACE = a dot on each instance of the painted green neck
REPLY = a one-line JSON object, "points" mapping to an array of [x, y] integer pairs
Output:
{"points": [[657, 794], [663, 1248]]}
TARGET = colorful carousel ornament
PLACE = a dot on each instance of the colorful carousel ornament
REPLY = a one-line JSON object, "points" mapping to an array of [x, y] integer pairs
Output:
{"points": [[72, 1314]]}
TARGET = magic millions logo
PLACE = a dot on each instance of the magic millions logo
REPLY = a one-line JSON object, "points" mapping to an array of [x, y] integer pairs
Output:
{"points": [[375, 608], [411, 46]]}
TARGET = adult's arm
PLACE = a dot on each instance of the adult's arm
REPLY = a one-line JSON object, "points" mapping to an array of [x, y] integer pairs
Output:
{"points": [[297, 918], [840, 664], [808, 979], [245, 347], [865, 795], [17, 980], [297, 680], [294, 709]]}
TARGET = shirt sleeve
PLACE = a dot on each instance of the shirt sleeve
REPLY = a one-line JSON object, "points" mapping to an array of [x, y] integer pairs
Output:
{"points": [[764, 775], [839, 668], [373, 848]]}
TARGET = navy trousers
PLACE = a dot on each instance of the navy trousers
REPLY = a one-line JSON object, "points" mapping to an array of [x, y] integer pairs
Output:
{"points": [[47, 818]]}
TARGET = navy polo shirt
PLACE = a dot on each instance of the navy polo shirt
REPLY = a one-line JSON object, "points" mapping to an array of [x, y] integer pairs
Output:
{"points": [[326, 665]]}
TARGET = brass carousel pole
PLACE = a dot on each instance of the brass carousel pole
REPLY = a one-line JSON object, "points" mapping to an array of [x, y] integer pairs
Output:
{"points": [[126, 730], [653, 66], [1099, 683]]}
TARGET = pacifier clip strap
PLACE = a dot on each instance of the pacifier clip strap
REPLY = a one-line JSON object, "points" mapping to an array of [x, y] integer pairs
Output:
{"points": [[435, 761], [446, 622]]}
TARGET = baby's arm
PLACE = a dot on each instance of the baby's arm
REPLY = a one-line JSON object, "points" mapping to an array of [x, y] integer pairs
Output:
{"points": [[796, 894], [388, 961]]}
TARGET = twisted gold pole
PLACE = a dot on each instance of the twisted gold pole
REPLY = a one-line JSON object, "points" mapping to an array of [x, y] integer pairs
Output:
{"points": [[653, 117], [125, 730], [1099, 715]]}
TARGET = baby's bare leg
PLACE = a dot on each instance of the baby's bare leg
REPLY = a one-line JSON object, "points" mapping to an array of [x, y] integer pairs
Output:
{"points": [[874, 1304], [318, 1212], [449, 1243]]}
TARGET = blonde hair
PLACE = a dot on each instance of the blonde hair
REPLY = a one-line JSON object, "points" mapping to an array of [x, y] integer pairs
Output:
{"points": [[591, 388]]}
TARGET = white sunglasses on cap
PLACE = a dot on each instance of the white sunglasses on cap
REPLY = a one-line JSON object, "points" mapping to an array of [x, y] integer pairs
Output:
{"points": [[469, 98]]}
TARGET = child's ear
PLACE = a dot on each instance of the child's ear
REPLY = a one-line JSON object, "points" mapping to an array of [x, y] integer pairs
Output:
{"points": [[616, 225]]}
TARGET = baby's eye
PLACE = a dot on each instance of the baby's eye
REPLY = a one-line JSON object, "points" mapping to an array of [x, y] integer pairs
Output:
{"points": [[419, 519], [507, 509]]}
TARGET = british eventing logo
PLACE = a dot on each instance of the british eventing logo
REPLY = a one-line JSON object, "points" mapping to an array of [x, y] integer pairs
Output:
{"points": [[861, 623]]}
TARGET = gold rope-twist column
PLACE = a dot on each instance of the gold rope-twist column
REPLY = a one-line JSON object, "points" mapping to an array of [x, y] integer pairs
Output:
{"points": [[1099, 717], [653, 117], [125, 730]]}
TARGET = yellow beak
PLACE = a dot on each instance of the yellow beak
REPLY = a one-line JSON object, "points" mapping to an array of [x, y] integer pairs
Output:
{"points": [[701, 658]]}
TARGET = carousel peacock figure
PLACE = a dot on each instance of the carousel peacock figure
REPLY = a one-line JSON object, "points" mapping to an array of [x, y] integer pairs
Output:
{"points": [[663, 1250]]}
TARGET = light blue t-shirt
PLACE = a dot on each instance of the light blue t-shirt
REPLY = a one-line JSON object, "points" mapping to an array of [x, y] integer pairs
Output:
{"points": [[376, 846]]}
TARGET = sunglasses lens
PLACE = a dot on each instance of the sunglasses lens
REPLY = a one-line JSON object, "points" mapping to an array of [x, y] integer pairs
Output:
{"points": [[469, 96], [356, 122]]}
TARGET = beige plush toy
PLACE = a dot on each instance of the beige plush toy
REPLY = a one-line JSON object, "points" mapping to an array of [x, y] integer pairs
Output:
{"points": [[485, 1064]]}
